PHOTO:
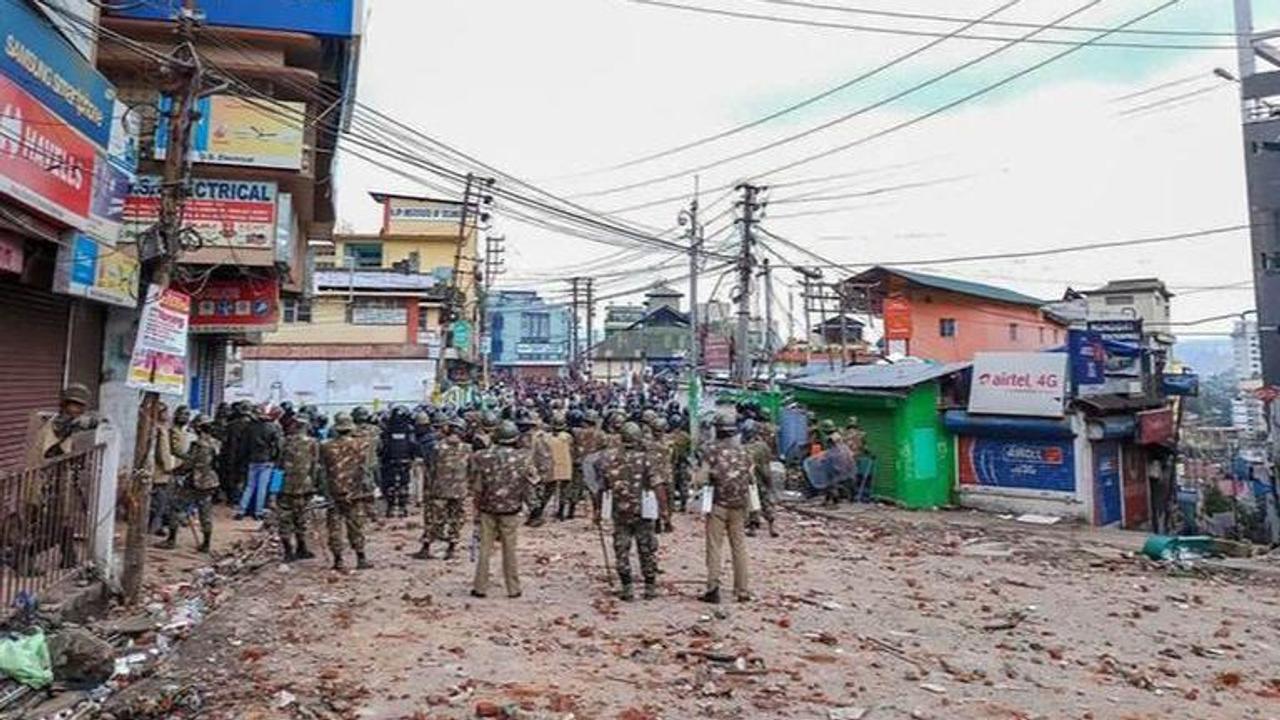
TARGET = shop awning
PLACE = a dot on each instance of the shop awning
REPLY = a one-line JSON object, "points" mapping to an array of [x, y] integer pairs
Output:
{"points": [[961, 422]]}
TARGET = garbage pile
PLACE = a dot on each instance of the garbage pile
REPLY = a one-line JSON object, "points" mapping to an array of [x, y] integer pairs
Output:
{"points": [[58, 670]]}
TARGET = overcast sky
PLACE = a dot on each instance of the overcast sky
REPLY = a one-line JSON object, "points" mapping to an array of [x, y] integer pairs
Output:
{"points": [[553, 91]]}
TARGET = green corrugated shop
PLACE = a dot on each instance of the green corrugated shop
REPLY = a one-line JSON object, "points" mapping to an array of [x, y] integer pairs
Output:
{"points": [[899, 409]]}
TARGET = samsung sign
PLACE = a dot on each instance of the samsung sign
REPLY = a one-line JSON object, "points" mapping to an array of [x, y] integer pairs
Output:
{"points": [[338, 18]]}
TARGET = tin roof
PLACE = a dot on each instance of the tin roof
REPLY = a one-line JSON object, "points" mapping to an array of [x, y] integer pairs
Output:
{"points": [[900, 375], [955, 285]]}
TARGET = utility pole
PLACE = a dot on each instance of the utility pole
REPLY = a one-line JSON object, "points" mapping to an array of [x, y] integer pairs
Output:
{"points": [[575, 287], [768, 317], [746, 266], [468, 221], [693, 232], [493, 267], [173, 194], [591, 321]]}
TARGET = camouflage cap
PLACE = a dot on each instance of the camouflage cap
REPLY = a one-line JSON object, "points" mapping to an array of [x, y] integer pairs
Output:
{"points": [[421, 419], [558, 420], [853, 422]]}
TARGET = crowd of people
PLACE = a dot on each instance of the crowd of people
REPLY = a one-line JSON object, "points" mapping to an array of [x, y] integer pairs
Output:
{"points": [[524, 454]]}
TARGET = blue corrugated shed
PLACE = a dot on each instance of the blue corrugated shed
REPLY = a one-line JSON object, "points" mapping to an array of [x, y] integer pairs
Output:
{"points": [[878, 377]]}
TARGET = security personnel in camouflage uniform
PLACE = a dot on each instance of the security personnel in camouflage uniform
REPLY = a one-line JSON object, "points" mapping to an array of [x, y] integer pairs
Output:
{"points": [[501, 479], [538, 441], [681, 444], [628, 473], [300, 462], [587, 441], [446, 488], [658, 445], [203, 482], [761, 458], [346, 462], [729, 475], [366, 429]]}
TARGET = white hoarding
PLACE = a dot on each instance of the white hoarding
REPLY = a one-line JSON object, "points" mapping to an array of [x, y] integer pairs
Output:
{"points": [[1033, 384]]}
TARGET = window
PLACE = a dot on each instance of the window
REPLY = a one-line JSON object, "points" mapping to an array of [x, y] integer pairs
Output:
{"points": [[1055, 336], [1042, 335], [367, 255], [1119, 299], [1013, 332], [377, 311], [947, 327], [535, 326], [297, 310]]}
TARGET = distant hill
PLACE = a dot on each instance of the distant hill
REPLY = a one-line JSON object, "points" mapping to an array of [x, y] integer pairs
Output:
{"points": [[1207, 356]]}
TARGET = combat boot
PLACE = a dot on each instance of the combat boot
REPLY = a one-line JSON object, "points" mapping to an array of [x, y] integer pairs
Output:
{"points": [[628, 592], [289, 556], [303, 552], [337, 562], [204, 544], [711, 596], [171, 541], [424, 553], [573, 510], [650, 588], [450, 551], [751, 530], [362, 562], [773, 531]]}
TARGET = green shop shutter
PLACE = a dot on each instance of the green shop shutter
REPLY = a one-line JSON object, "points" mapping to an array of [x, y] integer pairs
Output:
{"points": [[882, 440]]}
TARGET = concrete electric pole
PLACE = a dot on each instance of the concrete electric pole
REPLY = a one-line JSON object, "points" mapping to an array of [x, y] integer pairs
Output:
{"points": [[746, 266], [173, 194]]}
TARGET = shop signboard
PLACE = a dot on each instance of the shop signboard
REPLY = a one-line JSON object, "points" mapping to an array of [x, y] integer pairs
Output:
{"points": [[336, 18], [233, 130], [897, 318], [159, 360], [413, 216], [239, 305], [40, 61], [1017, 464], [1030, 383], [225, 213], [461, 334], [91, 270], [1155, 426], [50, 167]]}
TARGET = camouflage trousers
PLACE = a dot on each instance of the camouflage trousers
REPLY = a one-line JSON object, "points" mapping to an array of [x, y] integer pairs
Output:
{"points": [[349, 513], [202, 500], [442, 519], [643, 533], [292, 515]]}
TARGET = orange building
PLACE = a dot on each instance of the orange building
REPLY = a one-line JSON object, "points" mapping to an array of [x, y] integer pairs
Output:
{"points": [[948, 320]]}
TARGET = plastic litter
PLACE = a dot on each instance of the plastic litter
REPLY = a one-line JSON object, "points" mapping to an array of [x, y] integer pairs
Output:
{"points": [[26, 660]]}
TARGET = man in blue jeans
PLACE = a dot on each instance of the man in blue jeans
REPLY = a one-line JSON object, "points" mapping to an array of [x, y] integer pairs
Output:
{"points": [[263, 440]]}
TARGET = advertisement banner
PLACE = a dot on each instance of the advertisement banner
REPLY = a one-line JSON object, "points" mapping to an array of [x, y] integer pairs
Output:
{"points": [[241, 131], [51, 168], [91, 270], [1032, 384], [1017, 464], [716, 354], [159, 360], [1088, 357], [43, 64], [897, 318], [225, 213], [239, 305], [1123, 331]]}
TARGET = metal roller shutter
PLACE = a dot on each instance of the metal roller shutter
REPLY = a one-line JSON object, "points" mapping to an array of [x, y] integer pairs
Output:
{"points": [[33, 348]]}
